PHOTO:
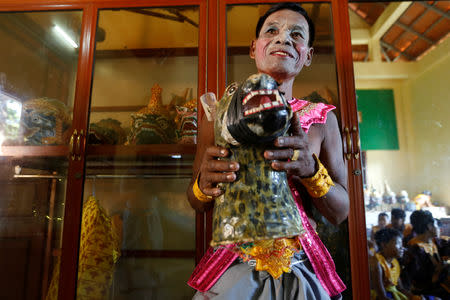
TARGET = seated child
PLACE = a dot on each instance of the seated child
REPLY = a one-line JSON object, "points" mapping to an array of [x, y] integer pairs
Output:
{"points": [[383, 219], [385, 268], [426, 267]]}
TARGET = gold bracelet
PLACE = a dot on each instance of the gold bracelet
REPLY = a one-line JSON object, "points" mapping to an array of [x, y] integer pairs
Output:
{"points": [[320, 183], [199, 194]]}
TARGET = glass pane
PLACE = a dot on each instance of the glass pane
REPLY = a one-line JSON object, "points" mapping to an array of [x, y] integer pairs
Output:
{"points": [[37, 85], [141, 143], [150, 278], [316, 83], [403, 122]]}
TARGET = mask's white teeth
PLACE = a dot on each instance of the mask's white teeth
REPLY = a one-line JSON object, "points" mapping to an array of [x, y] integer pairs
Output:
{"points": [[278, 97], [267, 105], [246, 98]]}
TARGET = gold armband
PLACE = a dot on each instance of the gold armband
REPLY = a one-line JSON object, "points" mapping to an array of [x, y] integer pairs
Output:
{"points": [[199, 194], [318, 185]]}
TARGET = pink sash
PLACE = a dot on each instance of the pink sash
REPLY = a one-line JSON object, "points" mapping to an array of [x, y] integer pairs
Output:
{"points": [[215, 263]]}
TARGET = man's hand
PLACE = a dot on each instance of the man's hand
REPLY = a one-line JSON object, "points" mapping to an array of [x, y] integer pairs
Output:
{"points": [[325, 141], [214, 171], [304, 166]]}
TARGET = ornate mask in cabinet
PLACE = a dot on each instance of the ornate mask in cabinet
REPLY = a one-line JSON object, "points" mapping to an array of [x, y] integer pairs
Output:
{"points": [[152, 125], [107, 132], [45, 121], [259, 204], [186, 121]]}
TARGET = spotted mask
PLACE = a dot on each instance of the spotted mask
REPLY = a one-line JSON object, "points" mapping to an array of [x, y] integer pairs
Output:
{"points": [[258, 205]]}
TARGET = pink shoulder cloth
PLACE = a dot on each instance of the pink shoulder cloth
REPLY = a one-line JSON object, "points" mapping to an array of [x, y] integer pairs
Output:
{"points": [[215, 262]]}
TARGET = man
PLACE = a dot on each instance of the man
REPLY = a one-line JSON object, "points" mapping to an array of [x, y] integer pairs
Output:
{"points": [[283, 46]]}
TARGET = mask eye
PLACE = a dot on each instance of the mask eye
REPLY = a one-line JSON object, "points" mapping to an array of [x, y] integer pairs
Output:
{"points": [[163, 123], [231, 88]]}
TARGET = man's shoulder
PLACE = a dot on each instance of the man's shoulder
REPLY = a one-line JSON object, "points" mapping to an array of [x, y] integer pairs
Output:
{"points": [[310, 113]]}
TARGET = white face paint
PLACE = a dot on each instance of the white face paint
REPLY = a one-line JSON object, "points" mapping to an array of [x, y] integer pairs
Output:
{"points": [[281, 50]]}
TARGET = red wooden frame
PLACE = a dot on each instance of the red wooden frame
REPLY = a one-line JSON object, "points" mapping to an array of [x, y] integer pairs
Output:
{"points": [[75, 182], [356, 219]]}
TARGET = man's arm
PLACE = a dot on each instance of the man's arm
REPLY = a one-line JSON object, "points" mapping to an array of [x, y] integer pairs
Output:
{"points": [[205, 138], [325, 141], [376, 278], [208, 169], [335, 204]]}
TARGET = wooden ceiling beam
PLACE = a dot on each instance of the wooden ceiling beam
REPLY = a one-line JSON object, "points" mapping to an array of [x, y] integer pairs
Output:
{"points": [[388, 59], [390, 15], [425, 32], [390, 47], [435, 9], [360, 36], [417, 19], [409, 29]]}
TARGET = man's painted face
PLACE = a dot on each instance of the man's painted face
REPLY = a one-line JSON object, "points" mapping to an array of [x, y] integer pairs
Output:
{"points": [[282, 49]]}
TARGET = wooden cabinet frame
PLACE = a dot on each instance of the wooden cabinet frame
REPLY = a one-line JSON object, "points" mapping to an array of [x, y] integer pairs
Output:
{"points": [[211, 77]]}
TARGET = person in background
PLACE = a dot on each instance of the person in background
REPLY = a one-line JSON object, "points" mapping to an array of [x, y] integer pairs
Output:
{"points": [[425, 270], [442, 242], [385, 269], [423, 200], [382, 223], [383, 220], [398, 221]]}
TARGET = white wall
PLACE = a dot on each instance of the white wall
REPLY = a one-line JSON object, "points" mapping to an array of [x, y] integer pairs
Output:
{"points": [[422, 103]]}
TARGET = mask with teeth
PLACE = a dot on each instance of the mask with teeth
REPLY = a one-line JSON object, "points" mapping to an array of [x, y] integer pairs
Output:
{"points": [[258, 205], [257, 112]]}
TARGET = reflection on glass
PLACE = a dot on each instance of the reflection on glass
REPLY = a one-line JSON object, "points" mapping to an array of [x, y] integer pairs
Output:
{"points": [[38, 76], [162, 278], [316, 83], [142, 133], [37, 85], [401, 62], [145, 77]]}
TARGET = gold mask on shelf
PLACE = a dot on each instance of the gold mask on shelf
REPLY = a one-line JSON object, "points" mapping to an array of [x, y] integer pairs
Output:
{"points": [[152, 125], [186, 121]]}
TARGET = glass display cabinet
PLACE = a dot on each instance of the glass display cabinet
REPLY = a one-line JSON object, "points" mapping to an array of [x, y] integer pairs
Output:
{"points": [[38, 82], [98, 137]]}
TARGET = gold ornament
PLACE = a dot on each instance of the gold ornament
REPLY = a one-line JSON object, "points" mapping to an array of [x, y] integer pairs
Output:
{"points": [[318, 185]]}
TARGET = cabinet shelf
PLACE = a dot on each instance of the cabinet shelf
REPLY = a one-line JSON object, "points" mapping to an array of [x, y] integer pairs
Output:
{"points": [[41, 151], [148, 253], [100, 150], [140, 150]]}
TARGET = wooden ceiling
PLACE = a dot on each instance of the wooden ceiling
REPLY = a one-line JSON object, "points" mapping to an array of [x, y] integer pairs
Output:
{"points": [[419, 29]]}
